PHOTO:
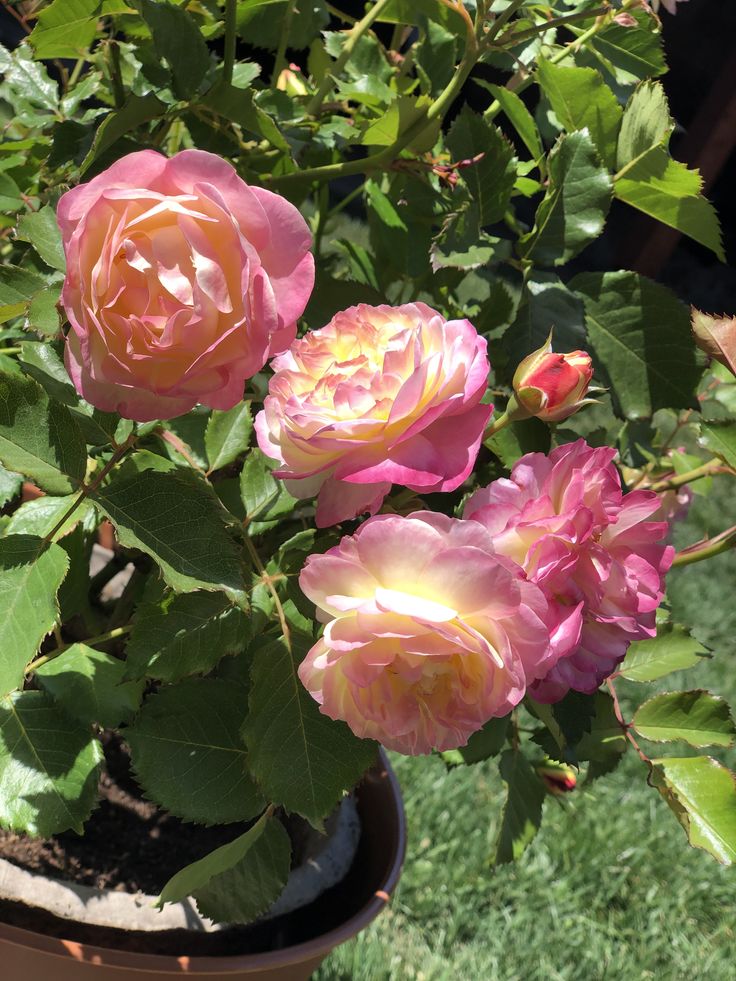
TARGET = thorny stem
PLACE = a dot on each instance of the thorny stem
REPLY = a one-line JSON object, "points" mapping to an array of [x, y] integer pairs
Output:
{"points": [[354, 36], [496, 425], [708, 469], [503, 18], [511, 38], [280, 60], [384, 157], [88, 642], [228, 57], [626, 726], [707, 548], [518, 85], [86, 491], [268, 582]]}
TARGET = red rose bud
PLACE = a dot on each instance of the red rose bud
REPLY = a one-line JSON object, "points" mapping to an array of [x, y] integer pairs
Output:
{"points": [[558, 778], [551, 386], [716, 336]]}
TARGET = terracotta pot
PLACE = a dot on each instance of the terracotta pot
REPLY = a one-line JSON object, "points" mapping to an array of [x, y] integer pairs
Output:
{"points": [[56, 952]]}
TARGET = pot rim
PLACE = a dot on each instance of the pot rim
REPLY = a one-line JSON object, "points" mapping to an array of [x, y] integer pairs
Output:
{"points": [[238, 963]]}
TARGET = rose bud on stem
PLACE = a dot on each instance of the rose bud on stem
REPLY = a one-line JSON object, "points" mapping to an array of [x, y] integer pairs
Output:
{"points": [[547, 385]]}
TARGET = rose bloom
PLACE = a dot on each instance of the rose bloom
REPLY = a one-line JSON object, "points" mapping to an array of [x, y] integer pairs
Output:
{"points": [[595, 552], [428, 633], [380, 395], [552, 386], [181, 282]]}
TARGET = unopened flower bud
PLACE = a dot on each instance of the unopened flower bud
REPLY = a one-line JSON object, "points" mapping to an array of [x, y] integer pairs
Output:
{"points": [[558, 778], [551, 386], [291, 81], [716, 336]]}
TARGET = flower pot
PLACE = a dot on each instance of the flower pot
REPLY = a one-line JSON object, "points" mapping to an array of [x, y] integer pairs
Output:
{"points": [[288, 947]]}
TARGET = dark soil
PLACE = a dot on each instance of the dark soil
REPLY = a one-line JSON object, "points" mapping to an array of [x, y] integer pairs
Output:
{"points": [[130, 844], [148, 844]]}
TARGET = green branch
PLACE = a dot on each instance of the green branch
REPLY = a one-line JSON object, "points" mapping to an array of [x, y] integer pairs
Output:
{"points": [[228, 57], [280, 60], [380, 160], [351, 41], [707, 548]]}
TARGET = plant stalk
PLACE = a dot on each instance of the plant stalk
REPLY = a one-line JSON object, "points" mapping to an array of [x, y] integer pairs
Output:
{"points": [[354, 36], [88, 642], [707, 548], [228, 56]]}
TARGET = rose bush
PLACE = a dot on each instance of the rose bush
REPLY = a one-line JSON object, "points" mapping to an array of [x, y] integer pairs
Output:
{"points": [[380, 395], [181, 282], [173, 195]]}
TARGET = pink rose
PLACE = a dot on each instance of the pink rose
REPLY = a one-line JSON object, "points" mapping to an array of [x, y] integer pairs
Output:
{"points": [[380, 395], [551, 386], [593, 550], [181, 282], [428, 633]]}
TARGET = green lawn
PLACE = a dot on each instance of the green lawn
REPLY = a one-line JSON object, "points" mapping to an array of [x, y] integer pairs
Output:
{"points": [[609, 888]]}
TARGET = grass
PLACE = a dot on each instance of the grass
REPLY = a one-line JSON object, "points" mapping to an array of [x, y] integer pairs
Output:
{"points": [[609, 889]]}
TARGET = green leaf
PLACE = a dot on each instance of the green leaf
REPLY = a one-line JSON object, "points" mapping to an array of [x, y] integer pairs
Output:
{"points": [[720, 438], [573, 211], [43, 361], [673, 649], [228, 435], [702, 794], [28, 79], [405, 112], [178, 635], [260, 22], [49, 767], [640, 331], [462, 245], [636, 50], [582, 100], [697, 717], [300, 758], [482, 745], [490, 179], [239, 107], [646, 123], [580, 728], [41, 515], [522, 812], [513, 441], [179, 43], [546, 305], [187, 752], [10, 195], [175, 518], [238, 881], [89, 686], [41, 230], [43, 313], [17, 289], [38, 436], [666, 190], [518, 115], [65, 29], [30, 576], [136, 110], [265, 497], [413, 12], [10, 485]]}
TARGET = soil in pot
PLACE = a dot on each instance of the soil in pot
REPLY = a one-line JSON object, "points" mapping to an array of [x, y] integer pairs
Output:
{"points": [[148, 846]]}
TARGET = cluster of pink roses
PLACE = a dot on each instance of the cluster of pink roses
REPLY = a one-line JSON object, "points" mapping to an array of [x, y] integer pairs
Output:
{"points": [[182, 282]]}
